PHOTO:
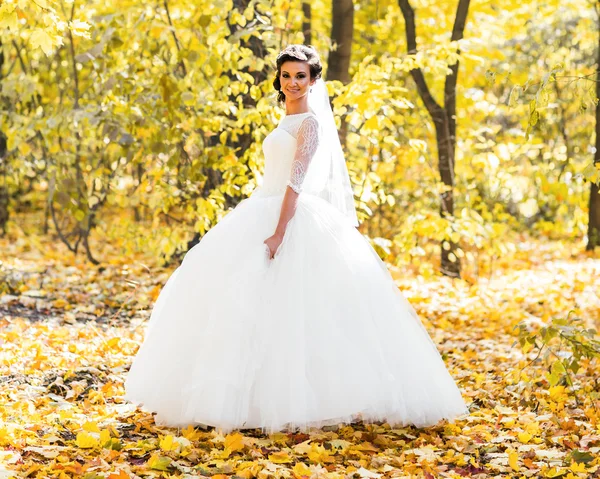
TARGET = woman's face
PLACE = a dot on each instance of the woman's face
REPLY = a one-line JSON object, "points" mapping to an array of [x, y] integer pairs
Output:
{"points": [[295, 79]]}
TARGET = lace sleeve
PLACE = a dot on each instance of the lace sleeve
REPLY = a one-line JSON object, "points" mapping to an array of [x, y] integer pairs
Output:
{"points": [[307, 144]]}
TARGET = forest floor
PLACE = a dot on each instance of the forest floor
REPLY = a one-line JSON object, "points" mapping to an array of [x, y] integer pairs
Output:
{"points": [[69, 330]]}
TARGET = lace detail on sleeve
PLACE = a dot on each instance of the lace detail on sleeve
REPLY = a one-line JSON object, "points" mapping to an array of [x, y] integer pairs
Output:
{"points": [[306, 146]]}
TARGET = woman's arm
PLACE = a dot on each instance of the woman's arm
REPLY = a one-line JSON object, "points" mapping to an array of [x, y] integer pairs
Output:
{"points": [[307, 144], [288, 208]]}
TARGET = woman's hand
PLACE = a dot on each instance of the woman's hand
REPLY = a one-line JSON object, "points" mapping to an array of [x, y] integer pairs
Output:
{"points": [[273, 243]]}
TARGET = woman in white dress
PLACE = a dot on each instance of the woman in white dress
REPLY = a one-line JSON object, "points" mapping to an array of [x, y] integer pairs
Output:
{"points": [[283, 317]]}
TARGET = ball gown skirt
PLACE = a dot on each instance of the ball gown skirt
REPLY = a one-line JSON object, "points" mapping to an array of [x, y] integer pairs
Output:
{"points": [[318, 335]]}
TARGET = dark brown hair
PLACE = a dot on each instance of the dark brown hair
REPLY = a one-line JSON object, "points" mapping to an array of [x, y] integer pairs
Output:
{"points": [[297, 53]]}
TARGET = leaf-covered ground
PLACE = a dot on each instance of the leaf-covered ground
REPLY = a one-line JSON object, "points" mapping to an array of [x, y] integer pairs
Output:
{"points": [[69, 330]]}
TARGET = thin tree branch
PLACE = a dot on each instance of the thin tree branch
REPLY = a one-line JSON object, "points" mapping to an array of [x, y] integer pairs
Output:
{"points": [[451, 80], [177, 44], [21, 61], [73, 61], [411, 42]]}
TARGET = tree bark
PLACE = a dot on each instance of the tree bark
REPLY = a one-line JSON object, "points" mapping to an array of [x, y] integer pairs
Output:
{"points": [[306, 23], [444, 120], [4, 196], [3, 158], [342, 32], [594, 205]]}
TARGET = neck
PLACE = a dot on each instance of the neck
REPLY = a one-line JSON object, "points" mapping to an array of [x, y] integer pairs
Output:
{"points": [[294, 107]]}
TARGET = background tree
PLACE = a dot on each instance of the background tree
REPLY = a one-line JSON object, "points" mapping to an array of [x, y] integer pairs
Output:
{"points": [[144, 125], [306, 24], [594, 204], [342, 32], [444, 119]]}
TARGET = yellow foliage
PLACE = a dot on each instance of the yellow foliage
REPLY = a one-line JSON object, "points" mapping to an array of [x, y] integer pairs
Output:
{"points": [[513, 460], [85, 440], [280, 457], [234, 442]]}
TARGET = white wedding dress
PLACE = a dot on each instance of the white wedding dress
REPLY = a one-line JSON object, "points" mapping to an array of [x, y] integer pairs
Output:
{"points": [[316, 336]]}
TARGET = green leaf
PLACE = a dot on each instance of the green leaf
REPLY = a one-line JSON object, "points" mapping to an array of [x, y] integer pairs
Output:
{"points": [[79, 215], [159, 463], [582, 456], [514, 96], [592, 172], [534, 117]]}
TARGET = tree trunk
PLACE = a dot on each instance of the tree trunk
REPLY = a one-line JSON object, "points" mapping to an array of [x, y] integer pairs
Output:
{"points": [[4, 197], [306, 23], [244, 140], [594, 206], [444, 119], [342, 32], [259, 50], [3, 158]]}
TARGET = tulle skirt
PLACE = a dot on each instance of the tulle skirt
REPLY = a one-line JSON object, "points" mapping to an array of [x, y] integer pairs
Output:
{"points": [[319, 335]]}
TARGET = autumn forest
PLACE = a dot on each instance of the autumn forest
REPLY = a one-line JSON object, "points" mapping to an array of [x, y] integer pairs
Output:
{"points": [[471, 133]]}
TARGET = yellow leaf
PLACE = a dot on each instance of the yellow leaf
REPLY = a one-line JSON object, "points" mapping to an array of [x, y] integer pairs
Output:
{"points": [[248, 469], [303, 447], [513, 460], [280, 457], [80, 29], [60, 303], [85, 440], [189, 432], [577, 467], [167, 443], [9, 20], [91, 426], [524, 437], [372, 123], [319, 454], [234, 442], [554, 472], [41, 39], [104, 436], [301, 470], [366, 446], [24, 148], [557, 393], [188, 98], [159, 463], [591, 172]]}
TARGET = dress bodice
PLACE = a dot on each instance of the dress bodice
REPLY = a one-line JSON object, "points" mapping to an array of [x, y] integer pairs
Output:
{"points": [[286, 161]]}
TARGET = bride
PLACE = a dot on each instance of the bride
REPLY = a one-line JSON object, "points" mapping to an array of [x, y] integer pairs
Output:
{"points": [[283, 317]]}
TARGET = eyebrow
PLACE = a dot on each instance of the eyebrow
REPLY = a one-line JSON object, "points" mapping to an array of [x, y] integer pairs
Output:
{"points": [[285, 71]]}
